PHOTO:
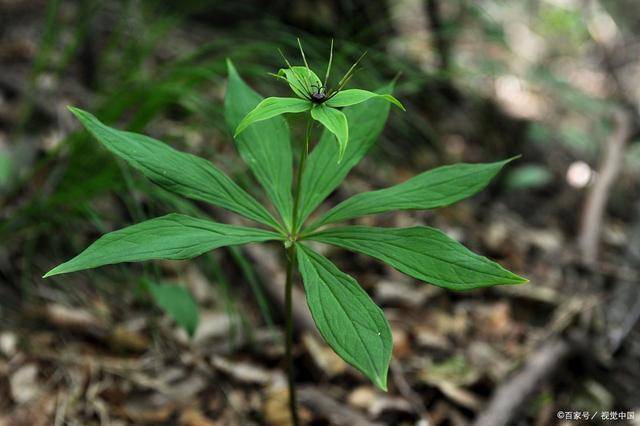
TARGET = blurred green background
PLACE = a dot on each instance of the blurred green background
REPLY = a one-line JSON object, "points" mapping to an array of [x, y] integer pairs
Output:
{"points": [[556, 81]]}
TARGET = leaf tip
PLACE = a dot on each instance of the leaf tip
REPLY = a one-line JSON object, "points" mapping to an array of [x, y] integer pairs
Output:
{"points": [[239, 129], [520, 280], [513, 279], [392, 99], [81, 115], [231, 69], [54, 271], [381, 382], [75, 111]]}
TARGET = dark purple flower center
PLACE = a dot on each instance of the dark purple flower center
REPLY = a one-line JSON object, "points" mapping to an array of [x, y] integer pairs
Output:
{"points": [[318, 97]]}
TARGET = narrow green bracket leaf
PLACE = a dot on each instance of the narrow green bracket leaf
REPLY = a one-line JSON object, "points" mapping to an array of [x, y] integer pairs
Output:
{"points": [[173, 237], [176, 301], [178, 172], [351, 97], [432, 189], [265, 146], [272, 107], [336, 122], [302, 80], [424, 253], [348, 320], [323, 173]]}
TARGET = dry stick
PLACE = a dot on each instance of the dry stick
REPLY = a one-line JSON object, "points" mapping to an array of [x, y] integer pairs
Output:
{"points": [[507, 401], [405, 389], [596, 202], [337, 413], [267, 265], [623, 309], [625, 119], [511, 396]]}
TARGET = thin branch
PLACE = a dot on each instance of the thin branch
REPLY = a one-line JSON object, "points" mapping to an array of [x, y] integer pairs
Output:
{"points": [[596, 201], [335, 412], [511, 396]]}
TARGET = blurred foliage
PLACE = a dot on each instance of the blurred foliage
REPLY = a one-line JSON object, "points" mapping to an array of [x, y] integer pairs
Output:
{"points": [[565, 26], [177, 301], [528, 177]]}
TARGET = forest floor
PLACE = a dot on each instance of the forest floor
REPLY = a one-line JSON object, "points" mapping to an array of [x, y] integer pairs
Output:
{"points": [[87, 350]]}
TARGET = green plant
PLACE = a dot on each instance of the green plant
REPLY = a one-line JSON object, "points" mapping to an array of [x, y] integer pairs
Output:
{"points": [[176, 301], [346, 317]]}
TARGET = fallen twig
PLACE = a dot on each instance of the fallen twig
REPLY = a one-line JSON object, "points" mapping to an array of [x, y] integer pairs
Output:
{"points": [[406, 390], [338, 414], [510, 397], [267, 266], [623, 311], [596, 201]]}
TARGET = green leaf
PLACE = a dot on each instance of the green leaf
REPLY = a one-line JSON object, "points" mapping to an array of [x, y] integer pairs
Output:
{"points": [[176, 171], [347, 318], [435, 188], [176, 301], [302, 80], [424, 253], [272, 107], [336, 122], [529, 176], [350, 97], [173, 237], [264, 146], [323, 173]]}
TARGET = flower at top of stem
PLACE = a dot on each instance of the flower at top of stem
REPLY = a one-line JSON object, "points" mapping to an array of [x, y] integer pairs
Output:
{"points": [[313, 95], [307, 85]]}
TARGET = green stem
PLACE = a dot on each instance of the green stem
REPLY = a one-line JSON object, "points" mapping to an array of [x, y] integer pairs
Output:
{"points": [[304, 153], [291, 253], [288, 290]]}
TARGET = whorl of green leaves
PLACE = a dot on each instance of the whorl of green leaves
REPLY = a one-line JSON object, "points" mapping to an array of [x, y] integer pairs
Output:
{"points": [[346, 317]]}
